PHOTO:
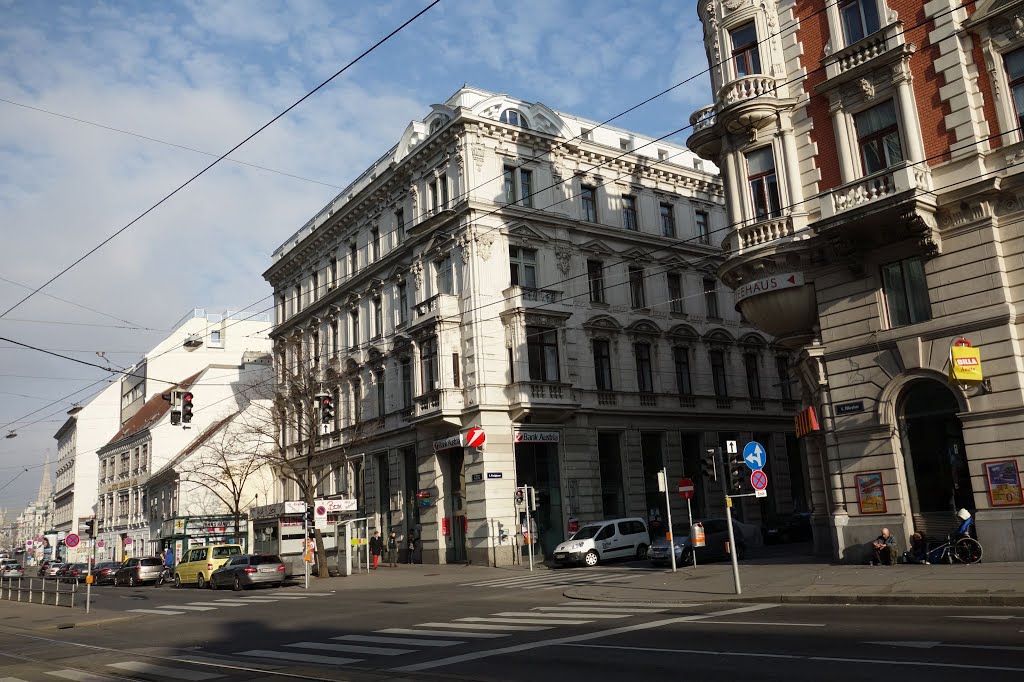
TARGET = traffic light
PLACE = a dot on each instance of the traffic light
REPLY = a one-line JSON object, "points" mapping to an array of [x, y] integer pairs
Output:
{"points": [[175, 408], [737, 472], [707, 465], [532, 493], [308, 516], [326, 409], [520, 497], [186, 408], [90, 527]]}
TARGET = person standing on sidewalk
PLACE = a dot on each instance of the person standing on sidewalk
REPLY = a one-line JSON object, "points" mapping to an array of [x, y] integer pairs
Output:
{"points": [[393, 549], [411, 546], [376, 547]]}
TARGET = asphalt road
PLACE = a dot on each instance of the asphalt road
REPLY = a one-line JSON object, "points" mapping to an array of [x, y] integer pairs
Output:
{"points": [[504, 626]]}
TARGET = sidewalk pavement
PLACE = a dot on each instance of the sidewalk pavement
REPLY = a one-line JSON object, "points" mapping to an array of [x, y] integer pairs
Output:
{"points": [[819, 582]]}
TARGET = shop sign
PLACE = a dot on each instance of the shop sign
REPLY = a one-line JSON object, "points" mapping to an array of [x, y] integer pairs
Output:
{"points": [[269, 511], [336, 506], [448, 443], [1004, 488], [964, 362], [806, 422], [537, 436], [786, 280]]}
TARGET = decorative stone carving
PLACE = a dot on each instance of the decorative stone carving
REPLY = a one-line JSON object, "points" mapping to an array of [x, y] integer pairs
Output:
{"points": [[867, 88], [563, 256], [417, 274], [734, 4], [483, 244], [463, 242]]}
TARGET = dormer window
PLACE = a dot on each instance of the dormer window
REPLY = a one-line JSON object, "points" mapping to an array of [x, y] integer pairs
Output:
{"points": [[745, 56], [878, 137], [514, 118], [438, 123], [860, 19]]}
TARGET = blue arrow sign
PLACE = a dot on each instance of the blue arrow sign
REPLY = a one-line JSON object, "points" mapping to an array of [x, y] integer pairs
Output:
{"points": [[754, 455]]}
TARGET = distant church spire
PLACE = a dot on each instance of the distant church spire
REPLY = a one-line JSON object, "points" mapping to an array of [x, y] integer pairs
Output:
{"points": [[45, 485]]}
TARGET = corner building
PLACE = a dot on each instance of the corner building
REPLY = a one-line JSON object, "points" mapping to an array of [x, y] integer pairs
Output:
{"points": [[871, 153], [513, 268]]}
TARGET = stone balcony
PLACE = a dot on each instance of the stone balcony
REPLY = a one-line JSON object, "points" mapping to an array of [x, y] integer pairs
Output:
{"points": [[435, 309], [546, 401], [870, 50], [673, 403], [520, 297], [745, 104], [440, 405]]}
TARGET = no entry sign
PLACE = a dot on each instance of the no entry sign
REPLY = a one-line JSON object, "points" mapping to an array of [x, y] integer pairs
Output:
{"points": [[759, 479], [685, 488]]}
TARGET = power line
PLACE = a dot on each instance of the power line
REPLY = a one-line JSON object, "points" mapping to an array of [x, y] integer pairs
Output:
{"points": [[222, 157], [77, 305]]}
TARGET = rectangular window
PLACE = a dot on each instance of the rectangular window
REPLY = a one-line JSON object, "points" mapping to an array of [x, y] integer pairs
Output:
{"points": [[753, 380], [357, 401], [381, 393], [298, 297], [375, 243], [406, 368], [428, 365], [353, 340], [681, 356], [378, 318], [613, 498], [644, 376], [314, 289], [588, 195], [763, 183], [906, 292], [1014, 62], [878, 137], [510, 185], [445, 283], [624, 144], [860, 19], [744, 50], [542, 351], [523, 266], [703, 227], [215, 337], [668, 221], [434, 198], [636, 288], [353, 259], [399, 226], [675, 292], [526, 188], [629, 213], [782, 369], [711, 299], [442, 183], [315, 342], [662, 155], [717, 358], [403, 303], [333, 270], [334, 338], [595, 277], [603, 365], [456, 374]]}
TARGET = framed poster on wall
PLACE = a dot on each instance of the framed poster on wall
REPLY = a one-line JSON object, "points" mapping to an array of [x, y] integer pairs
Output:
{"points": [[871, 493], [1004, 489]]}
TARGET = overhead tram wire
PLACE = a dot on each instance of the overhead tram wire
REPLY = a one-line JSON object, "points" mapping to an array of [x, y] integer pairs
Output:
{"points": [[221, 157], [78, 305]]}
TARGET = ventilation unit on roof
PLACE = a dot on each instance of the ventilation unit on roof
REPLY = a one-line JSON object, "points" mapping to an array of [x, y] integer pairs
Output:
{"points": [[193, 341]]}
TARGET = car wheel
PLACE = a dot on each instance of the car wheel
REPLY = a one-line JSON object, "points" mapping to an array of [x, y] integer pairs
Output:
{"points": [[237, 584], [177, 580], [213, 582], [641, 551], [591, 558], [131, 581], [200, 581]]}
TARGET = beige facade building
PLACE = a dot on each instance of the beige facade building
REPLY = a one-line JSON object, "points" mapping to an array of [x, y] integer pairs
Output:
{"points": [[525, 271], [870, 151]]}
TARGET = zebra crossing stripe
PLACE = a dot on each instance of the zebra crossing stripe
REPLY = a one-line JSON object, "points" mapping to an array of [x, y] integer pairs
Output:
{"points": [[439, 633], [157, 611], [530, 614], [584, 603], [188, 608], [303, 658], [482, 626], [78, 676], [173, 673], [352, 648], [597, 609], [540, 620], [400, 641]]}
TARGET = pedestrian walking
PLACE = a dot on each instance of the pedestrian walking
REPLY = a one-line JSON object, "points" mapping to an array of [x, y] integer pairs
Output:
{"points": [[376, 547], [393, 549], [411, 547]]}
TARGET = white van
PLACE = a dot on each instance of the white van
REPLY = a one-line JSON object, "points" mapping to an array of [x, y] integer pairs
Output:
{"points": [[603, 540]]}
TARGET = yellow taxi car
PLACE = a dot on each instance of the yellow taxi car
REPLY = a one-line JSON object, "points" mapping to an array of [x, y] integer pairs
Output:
{"points": [[199, 562]]}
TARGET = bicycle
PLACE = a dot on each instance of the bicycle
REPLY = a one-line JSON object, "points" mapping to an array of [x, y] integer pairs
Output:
{"points": [[166, 576]]}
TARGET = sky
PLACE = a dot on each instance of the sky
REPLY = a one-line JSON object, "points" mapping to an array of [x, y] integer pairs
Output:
{"points": [[205, 75]]}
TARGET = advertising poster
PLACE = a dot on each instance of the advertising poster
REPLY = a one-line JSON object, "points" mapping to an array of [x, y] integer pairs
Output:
{"points": [[871, 493], [1004, 488]]}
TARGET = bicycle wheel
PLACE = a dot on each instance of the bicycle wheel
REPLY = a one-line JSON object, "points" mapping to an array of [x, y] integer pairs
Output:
{"points": [[967, 551]]}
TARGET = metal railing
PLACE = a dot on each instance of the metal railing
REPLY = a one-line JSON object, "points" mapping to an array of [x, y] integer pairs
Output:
{"points": [[39, 591]]}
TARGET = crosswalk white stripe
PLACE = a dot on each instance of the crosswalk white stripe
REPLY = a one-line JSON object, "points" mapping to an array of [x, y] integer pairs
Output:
{"points": [[597, 609], [500, 582], [540, 620], [78, 676], [256, 600], [295, 656], [529, 614], [399, 641], [352, 648], [215, 604], [279, 596], [439, 633], [481, 626], [162, 613], [11, 679], [188, 608], [173, 673], [234, 602], [226, 660], [303, 593], [586, 604]]}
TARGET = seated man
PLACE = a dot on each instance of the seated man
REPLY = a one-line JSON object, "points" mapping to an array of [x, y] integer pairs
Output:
{"points": [[918, 552], [884, 548]]}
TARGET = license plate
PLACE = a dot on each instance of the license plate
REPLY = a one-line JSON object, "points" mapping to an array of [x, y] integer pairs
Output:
{"points": [[560, 555], [267, 570]]}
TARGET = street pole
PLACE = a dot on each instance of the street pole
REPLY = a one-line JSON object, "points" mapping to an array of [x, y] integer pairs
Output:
{"points": [[529, 525], [728, 520], [693, 550], [305, 547], [88, 578], [668, 513]]}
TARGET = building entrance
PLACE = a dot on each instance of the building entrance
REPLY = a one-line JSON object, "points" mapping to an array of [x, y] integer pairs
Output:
{"points": [[456, 510], [934, 457], [537, 466]]}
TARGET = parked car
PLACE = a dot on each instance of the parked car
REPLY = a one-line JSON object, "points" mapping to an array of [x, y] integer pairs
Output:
{"points": [[249, 570], [716, 540], [199, 563], [12, 570], [104, 573], [604, 540], [138, 570], [53, 569], [796, 528], [73, 571]]}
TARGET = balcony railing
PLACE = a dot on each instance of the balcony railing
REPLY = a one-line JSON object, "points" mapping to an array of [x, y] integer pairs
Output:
{"points": [[439, 305], [607, 398], [648, 400], [764, 232], [757, 404], [864, 50], [746, 88], [876, 187], [527, 297], [723, 403], [687, 401], [703, 118]]}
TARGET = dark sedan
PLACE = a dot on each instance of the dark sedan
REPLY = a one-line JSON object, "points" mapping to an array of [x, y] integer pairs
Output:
{"points": [[716, 542], [73, 572], [103, 573], [249, 570]]}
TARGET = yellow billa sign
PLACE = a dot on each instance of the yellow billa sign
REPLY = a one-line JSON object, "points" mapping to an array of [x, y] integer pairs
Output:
{"points": [[964, 362]]}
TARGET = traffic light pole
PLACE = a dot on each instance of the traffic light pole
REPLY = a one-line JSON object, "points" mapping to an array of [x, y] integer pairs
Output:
{"points": [[728, 521], [529, 525]]}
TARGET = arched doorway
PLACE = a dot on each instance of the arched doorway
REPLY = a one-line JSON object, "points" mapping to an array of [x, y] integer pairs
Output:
{"points": [[934, 458]]}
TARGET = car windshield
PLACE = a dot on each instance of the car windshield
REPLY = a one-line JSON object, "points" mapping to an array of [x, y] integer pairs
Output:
{"points": [[258, 559], [586, 532], [152, 561], [225, 552]]}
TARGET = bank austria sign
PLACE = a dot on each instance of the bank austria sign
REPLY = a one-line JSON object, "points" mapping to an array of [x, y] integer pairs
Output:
{"points": [[537, 436]]}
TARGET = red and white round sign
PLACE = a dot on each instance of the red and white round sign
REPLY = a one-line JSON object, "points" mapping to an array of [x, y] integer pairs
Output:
{"points": [[685, 488], [127, 541], [99, 544], [475, 437], [71, 540]]}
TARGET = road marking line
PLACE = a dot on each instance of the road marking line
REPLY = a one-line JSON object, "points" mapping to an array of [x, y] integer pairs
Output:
{"points": [[173, 673], [596, 609], [305, 594], [407, 641], [749, 622], [481, 626], [352, 648], [526, 621], [304, 658], [585, 604], [189, 608], [278, 596], [576, 638], [79, 676], [233, 602], [439, 633], [214, 603], [528, 614], [162, 613], [986, 617], [11, 679]]}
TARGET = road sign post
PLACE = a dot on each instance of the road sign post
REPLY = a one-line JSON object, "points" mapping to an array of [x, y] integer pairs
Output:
{"points": [[728, 521], [668, 514]]}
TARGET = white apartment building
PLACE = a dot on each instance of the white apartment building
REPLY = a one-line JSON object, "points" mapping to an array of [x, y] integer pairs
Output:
{"points": [[525, 271], [199, 340]]}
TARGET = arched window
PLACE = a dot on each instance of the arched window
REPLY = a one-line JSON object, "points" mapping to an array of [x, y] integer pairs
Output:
{"points": [[514, 118], [436, 124]]}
